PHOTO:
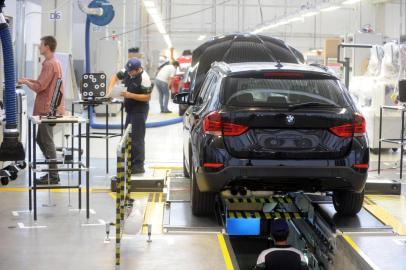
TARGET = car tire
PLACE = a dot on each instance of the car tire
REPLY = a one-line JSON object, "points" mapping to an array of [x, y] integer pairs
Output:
{"points": [[185, 171], [348, 203], [202, 202]]}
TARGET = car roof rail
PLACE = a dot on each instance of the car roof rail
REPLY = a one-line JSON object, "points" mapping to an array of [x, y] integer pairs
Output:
{"points": [[222, 65]]}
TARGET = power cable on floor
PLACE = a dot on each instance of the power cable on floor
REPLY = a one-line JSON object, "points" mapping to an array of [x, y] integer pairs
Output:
{"points": [[167, 19]]}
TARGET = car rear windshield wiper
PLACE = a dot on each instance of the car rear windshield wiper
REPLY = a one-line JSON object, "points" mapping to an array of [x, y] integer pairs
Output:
{"points": [[311, 104]]}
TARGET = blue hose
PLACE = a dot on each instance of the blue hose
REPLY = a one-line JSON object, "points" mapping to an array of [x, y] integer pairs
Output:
{"points": [[11, 149], [87, 45], [9, 76], [164, 123]]}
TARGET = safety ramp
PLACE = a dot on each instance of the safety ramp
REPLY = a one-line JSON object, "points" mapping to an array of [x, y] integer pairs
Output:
{"points": [[329, 241], [178, 217]]}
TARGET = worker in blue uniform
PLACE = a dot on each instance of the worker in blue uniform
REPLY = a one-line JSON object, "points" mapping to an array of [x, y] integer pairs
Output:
{"points": [[136, 104], [281, 256]]}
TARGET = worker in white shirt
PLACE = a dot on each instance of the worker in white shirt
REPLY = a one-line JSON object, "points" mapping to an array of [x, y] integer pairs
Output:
{"points": [[162, 81]]}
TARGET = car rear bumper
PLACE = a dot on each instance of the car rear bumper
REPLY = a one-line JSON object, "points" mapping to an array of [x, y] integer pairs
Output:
{"points": [[282, 178]]}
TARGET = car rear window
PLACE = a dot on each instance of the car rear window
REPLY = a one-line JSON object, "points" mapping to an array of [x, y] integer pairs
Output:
{"points": [[282, 92]]}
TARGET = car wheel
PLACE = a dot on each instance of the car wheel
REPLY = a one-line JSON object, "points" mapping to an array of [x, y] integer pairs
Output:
{"points": [[348, 203], [202, 202], [185, 171]]}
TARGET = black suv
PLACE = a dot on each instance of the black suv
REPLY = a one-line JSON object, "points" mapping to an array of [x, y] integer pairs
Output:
{"points": [[273, 126]]}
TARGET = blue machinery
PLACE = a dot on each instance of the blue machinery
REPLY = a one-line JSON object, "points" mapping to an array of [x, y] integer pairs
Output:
{"points": [[11, 148], [101, 13]]}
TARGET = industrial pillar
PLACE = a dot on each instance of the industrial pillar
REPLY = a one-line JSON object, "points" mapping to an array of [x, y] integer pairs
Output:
{"points": [[58, 22], [20, 40]]}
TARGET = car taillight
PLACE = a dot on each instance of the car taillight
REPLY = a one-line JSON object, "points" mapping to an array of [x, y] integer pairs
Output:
{"points": [[186, 86], [213, 125], [213, 165], [361, 166], [358, 128]]}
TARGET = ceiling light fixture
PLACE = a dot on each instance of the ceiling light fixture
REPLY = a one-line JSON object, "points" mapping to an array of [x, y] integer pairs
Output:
{"points": [[149, 4], [332, 8], [350, 2], [157, 19], [201, 37], [310, 14]]}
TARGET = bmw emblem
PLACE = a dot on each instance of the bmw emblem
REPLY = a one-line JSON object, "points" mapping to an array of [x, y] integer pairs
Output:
{"points": [[290, 120]]}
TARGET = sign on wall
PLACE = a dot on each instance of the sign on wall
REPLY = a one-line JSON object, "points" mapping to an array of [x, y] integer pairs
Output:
{"points": [[57, 15]]}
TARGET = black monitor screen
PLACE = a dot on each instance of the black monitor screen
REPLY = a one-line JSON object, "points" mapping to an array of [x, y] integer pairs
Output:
{"points": [[56, 98]]}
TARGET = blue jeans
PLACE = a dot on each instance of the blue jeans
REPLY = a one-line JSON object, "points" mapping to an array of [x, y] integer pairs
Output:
{"points": [[163, 94]]}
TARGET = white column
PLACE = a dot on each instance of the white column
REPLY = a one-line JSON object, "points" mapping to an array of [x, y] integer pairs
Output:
{"points": [[57, 22]]}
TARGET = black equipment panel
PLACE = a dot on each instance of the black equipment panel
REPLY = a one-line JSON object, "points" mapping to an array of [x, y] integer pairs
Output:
{"points": [[93, 86]]}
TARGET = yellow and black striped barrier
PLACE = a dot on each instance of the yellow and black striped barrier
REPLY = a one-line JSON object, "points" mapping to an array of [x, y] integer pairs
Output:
{"points": [[270, 199], [123, 187], [262, 215]]}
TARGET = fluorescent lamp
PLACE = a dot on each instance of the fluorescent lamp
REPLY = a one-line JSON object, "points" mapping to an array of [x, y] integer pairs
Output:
{"points": [[156, 18], [168, 40], [152, 11], [149, 4], [295, 19], [161, 28], [350, 2], [310, 14], [201, 37], [330, 8]]}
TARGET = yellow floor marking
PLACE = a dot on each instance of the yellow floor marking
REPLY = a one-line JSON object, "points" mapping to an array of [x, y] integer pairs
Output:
{"points": [[154, 215], [134, 195], [384, 215], [224, 251], [72, 190], [360, 252]]}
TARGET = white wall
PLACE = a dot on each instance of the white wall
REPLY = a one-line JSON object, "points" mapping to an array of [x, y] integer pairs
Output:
{"points": [[32, 28]]}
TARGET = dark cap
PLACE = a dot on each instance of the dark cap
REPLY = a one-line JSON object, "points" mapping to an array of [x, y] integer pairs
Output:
{"points": [[279, 226], [134, 50], [132, 64]]}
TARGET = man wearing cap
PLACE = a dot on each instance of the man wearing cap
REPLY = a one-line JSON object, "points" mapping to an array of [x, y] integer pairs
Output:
{"points": [[136, 99], [281, 255]]}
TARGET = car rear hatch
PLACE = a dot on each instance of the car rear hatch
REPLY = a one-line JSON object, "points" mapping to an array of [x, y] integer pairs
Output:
{"points": [[285, 116]]}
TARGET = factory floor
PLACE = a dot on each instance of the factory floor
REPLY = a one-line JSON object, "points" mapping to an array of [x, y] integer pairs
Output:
{"points": [[62, 237]]}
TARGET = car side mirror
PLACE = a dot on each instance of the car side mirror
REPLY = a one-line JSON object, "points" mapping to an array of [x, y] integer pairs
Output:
{"points": [[402, 90], [182, 98]]}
